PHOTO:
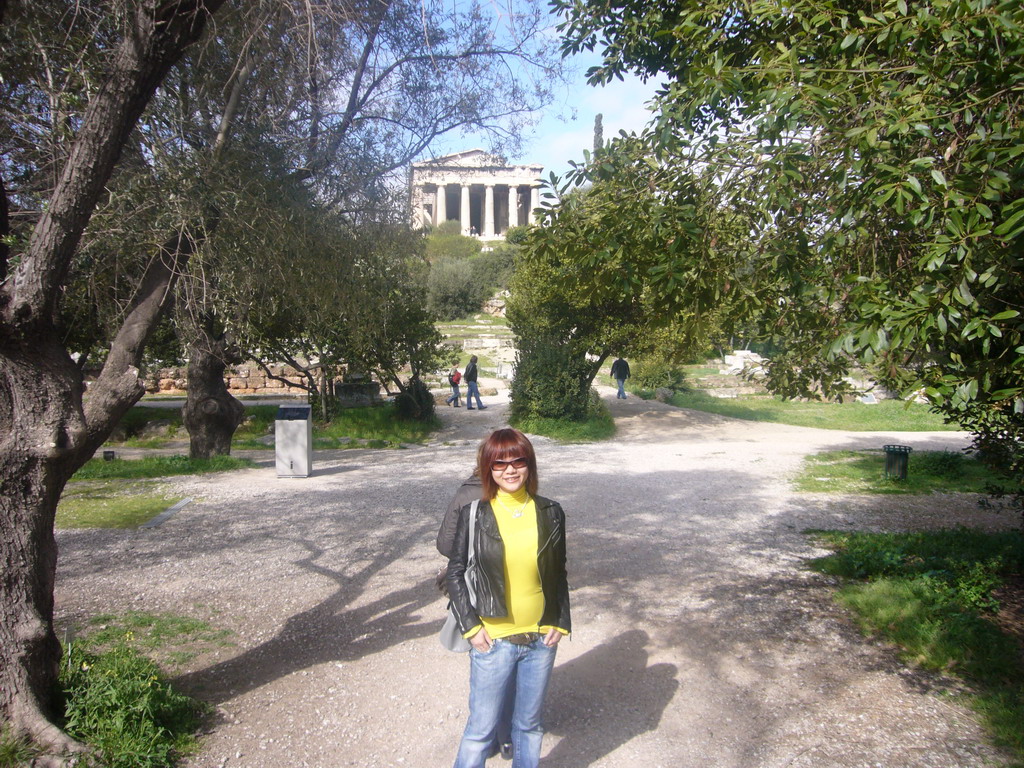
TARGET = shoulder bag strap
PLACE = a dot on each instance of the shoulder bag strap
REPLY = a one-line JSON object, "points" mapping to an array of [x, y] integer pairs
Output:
{"points": [[471, 552]]}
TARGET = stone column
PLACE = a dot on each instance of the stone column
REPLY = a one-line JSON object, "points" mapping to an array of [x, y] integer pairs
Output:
{"points": [[464, 209], [534, 203], [441, 204], [513, 206], [488, 229]]}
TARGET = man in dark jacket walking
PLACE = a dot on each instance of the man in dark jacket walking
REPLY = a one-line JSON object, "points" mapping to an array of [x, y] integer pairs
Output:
{"points": [[620, 372], [472, 390]]}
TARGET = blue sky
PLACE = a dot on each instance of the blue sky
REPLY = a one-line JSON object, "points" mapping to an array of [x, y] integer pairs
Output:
{"points": [[558, 138], [566, 127]]}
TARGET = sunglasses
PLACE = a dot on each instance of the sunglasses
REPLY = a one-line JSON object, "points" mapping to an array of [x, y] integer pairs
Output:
{"points": [[500, 465]]}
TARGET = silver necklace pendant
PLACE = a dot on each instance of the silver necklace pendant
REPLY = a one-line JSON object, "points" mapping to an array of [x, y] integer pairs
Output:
{"points": [[517, 512]]}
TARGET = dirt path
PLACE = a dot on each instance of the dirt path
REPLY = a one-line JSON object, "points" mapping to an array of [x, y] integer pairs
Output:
{"points": [[700, 639]]}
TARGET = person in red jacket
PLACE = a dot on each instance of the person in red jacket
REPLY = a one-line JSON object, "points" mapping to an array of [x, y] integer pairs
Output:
{"points": [[454, 377]]}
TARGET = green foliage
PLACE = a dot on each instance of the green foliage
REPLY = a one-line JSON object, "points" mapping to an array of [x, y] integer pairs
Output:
{"points": [[462, 279], [550, 382], [864, 472], [945, 464], [517, 235], [415, 403], [15, 752], [953, 554], [651, 372], [446, 242], [598, 424], [873, 152], [932, 594], [453, 290], [594, 278], [119, 703]]}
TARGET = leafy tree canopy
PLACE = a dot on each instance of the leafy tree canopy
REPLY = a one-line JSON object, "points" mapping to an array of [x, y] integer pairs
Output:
{"points": [[874, 150]]}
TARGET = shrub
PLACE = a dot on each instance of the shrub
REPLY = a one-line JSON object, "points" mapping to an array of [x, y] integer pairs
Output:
{"points": [[546, 385], [452, 290], [946, 464], [492, 269], [416, 402], [651, 373]]}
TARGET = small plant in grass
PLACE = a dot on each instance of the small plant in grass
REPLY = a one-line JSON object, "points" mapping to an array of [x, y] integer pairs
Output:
{"points": [[119, 704], [15, 752], [931, 593]]}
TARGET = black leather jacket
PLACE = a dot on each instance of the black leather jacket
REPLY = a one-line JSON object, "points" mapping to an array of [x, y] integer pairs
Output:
{"points": [[490, 554]]}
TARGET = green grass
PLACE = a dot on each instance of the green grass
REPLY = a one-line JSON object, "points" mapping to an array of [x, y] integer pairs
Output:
{"points": [[864, 472], [117, 699], [15, 752], [368, 427], [170, 639], [109, 494], [109, 504], [599, 426], [885, 416], [157, 466], [692, 371], [931, 593]]}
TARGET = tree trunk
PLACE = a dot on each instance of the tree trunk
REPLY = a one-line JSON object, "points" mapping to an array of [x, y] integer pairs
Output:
{"points": [[45, 432], [211, 414], [43, 428]]}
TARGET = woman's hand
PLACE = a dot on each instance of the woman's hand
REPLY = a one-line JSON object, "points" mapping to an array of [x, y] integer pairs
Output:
{"points": [[481, 641], [552, 637]]}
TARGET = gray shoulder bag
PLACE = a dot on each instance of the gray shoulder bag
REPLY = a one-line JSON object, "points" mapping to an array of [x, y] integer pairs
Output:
{"points": [[451, 636]]}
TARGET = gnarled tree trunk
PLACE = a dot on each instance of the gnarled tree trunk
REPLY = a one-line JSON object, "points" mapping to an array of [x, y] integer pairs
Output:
{"points": [[211, 414], [41, 418], [47, 431]]}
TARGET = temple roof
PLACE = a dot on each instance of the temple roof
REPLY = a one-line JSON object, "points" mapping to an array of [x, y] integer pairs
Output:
{"points": [[468, 158]]}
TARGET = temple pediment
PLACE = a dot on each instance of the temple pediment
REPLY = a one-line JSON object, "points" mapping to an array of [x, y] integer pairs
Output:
{"points": [[469, 158]]}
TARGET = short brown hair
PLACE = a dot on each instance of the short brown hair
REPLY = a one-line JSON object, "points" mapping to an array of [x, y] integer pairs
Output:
{"points": [[505, 443]]}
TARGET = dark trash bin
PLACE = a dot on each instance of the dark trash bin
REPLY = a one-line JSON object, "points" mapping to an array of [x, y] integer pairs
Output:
{"points": [[896, 459]]}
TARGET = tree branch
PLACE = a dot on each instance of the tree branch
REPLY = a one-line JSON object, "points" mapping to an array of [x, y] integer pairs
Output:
{"points": [[162, 29]]}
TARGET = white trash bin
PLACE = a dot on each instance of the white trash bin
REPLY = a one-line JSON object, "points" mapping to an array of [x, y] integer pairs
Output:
{"points": [[293, 440]]}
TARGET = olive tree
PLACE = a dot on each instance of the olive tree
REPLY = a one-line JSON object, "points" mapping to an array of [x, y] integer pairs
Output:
{"points": [[49, 424]]}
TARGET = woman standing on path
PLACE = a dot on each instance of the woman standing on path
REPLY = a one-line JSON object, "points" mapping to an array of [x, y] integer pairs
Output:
{"points": [[521, 605]]}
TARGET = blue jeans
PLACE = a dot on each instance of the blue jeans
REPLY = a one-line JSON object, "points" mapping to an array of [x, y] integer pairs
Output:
{"points": [[472, 390], [454, 395], [622, 389], [490, 674]]}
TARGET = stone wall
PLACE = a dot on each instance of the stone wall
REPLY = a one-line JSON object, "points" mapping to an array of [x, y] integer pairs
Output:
{"points": [[245, 379]]}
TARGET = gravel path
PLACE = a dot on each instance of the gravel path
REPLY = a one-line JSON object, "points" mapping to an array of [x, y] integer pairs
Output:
{"points": [[700, 638]]}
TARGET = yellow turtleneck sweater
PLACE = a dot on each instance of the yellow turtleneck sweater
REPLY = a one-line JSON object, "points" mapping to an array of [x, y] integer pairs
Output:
{"points": [[516, 514]]}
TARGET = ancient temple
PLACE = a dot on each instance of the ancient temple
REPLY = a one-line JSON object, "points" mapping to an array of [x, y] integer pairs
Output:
{"points": [[476, 189]]}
